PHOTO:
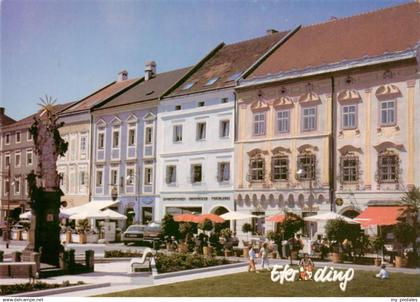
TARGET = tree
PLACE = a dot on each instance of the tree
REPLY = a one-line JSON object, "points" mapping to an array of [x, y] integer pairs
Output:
{"points": [[291, 224], [169, 227], [206, 225], [187, 228], [411, 203], [338, 230], [405, 234]]}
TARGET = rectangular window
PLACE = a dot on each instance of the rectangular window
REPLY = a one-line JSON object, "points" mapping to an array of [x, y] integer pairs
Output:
{"points": [[6, 186], [18, 137], [225, 100], [223, 172], [280, 168], [309, 118], [349, 116], [29, 157], [257, 169], [388, 168], [130, 177], [61, 176], [170, 174], [7, 139], [349, 169], [196, 171], [147, 176], [17, 159], [388, 113], [82, 176], [257, 223], [224, 128], [306, 167], [201, 131], [131, 137], [114, 177], [283, 121], [201, 104], [7, 160], [17, 185], [177, 133], [115, 139], [148, 135], [28, 136], [178, 107], [99, 178], [101, 140], [259, 123], [83, 144]]}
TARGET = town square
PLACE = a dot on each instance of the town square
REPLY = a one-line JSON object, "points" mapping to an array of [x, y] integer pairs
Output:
{"points": [[212, 148]]}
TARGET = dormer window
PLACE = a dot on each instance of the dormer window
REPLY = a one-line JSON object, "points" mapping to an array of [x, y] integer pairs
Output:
{"points": [[201, 104], [178, 107], [234, 76], [188, 86], [211, 81]]}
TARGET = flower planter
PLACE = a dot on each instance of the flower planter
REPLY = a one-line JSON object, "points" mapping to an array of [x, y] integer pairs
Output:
{"points": [[336, 258], [206, 251], [82, 238], [378, 261], [238, 252], [228, 253], [246, 252], [183, 248], [294, 255], [68, 237], [400, 261], [274, 255]]}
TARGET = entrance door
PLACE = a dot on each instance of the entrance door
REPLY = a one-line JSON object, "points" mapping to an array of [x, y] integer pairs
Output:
{"points": [[147, 215]]}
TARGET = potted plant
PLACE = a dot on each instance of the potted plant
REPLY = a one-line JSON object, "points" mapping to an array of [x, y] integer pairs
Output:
{"points": [[378, 245], [226, 233], [246, 228], [276, 237], [337, 231], [206, 226], [82, 226], [404, 234]]}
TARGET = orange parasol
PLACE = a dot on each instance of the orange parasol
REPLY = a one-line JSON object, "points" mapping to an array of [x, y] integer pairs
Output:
{"points": [[213, 217], [277, 218], [187, 217]]}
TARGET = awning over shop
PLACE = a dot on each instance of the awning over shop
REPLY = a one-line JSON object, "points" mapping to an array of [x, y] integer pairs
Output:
{"points": [[379, 216], [89, 207]]}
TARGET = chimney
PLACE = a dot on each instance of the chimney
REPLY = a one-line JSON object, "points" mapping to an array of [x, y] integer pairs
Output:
{"points": [[1, 110], [333, 18], [150, 70], [122, 76], [271, 31]]}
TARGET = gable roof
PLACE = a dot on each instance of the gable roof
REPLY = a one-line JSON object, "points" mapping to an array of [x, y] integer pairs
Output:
{"points": [[226, 61], [390, 30], [5, 120], [27, 121], [146, 90], [100, 95]]}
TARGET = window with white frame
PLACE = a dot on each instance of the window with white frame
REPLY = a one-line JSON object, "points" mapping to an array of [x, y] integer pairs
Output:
{"points": [[349, 165], [224, 128], [170, 174], [132, 135], [115, 138], [114, 177], [306, 166], [17, 185], [82, 178], [201, 131], [309, 118], [148, 135], [101, 140], [7, 138], [280, 167], [17, 159], [388, 112], [148, 176], [177, 132], [99, 178], [388, 167], [196, 173], [349, 113], [256, 168], [259, 123], [28, 136], [130, 180], [223, 172], [29, 157], [83, 144], [6, 186], [283, 121], [18, 137], [7, 160]]}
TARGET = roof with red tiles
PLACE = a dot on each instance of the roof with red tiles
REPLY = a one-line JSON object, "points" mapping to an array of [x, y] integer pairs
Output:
{"points": [[372, 34], [5, 120], [148, 90], [101, 95], [226, 63]]}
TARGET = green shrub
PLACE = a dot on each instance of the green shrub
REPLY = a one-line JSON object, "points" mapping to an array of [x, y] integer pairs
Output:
{"points": [[118, 253], [207, 225], [246, 227], [227, 233], [11, 289], [179, 262]]}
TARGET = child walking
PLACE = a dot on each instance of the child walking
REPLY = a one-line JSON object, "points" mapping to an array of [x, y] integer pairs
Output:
{"points": [[264, 257]]}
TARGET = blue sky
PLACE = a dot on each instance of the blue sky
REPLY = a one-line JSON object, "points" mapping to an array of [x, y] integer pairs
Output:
{"points": [[68, 49]]}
